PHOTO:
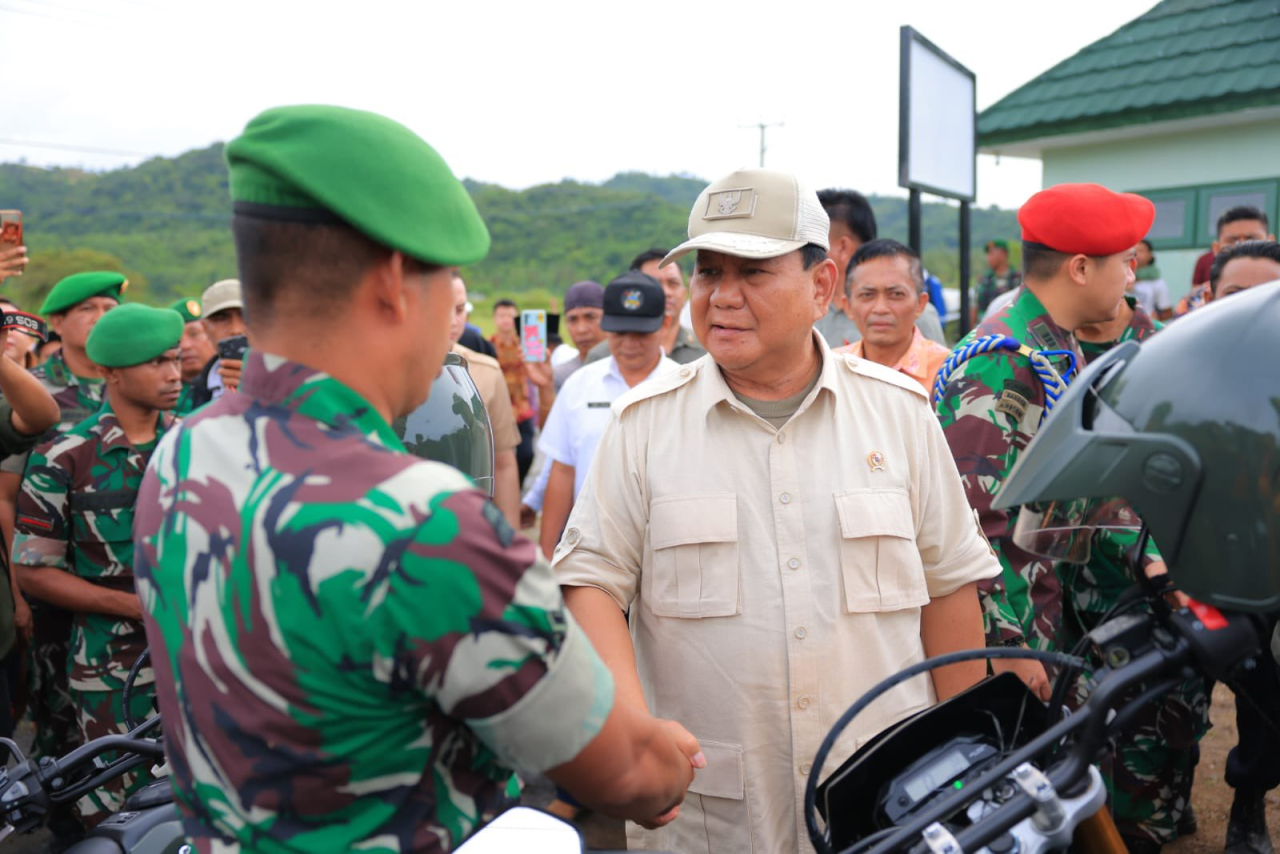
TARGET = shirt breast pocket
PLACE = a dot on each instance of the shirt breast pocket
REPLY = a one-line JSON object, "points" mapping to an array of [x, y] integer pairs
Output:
{"points": [[880, 563], [694, 572]]}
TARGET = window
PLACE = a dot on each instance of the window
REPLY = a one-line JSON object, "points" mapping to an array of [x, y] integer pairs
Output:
{"points": [[1187, 217]]}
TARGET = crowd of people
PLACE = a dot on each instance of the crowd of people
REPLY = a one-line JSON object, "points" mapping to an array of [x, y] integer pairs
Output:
{"points": [[760, 492]]}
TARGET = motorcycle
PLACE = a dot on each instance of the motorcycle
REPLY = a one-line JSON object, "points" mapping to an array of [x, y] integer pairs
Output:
{"points": [[993, 769]]}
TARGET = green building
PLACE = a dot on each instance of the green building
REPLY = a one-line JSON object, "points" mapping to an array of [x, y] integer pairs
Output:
{"points": [[1181, 105]]}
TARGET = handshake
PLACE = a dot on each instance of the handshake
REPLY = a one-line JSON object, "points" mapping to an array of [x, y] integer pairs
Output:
{"points": [[637, 767]]}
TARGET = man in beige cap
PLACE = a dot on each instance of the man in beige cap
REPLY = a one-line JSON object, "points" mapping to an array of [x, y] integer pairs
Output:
{"points": [[222, 313], [784, 525]]}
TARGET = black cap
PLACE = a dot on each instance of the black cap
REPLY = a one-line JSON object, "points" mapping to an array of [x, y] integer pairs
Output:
{"points": [[633, 302]]}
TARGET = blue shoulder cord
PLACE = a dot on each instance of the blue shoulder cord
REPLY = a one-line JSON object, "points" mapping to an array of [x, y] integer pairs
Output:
{"points": [[1054, 383]]}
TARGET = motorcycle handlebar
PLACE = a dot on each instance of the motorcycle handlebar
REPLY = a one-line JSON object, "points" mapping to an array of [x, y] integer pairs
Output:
{"points": [[1091, 720]]}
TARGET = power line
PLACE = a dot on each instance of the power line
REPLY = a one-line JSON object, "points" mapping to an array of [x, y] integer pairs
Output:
{"points": [[79, 148]]}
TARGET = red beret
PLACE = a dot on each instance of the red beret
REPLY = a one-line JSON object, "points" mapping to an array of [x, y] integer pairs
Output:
{"points": [[1086, 219]]}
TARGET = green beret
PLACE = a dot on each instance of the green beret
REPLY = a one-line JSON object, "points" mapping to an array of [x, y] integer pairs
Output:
{"points": [[133, 334], [80, 286], [188, 308], [318, 163]]}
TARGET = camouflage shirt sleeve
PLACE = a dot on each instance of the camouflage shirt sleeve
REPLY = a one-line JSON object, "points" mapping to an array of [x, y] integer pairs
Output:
{"points": [[42, 529], [989, 412], [502, 653]]}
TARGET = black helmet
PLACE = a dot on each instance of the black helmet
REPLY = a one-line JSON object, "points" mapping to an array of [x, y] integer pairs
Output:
{"points": [[1186, 427], [452, 426]]}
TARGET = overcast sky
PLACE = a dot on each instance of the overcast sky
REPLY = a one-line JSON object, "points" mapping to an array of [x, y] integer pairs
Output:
{"points": [[525, 93]]}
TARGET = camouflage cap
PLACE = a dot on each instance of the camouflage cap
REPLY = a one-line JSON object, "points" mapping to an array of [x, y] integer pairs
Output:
{"points": [[189, 309], [79, 287], [133, 334], [333, 164]]}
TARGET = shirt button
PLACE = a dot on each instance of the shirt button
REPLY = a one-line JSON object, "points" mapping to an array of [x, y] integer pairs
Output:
{"points": [[572, 536], [785, 498], [800, 633], [782, 437], [684, 372], [806, 768], [803, 702], [793, 563]]}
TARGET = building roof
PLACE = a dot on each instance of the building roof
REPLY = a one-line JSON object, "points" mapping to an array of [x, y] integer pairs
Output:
{"points": [[1182, 59]]}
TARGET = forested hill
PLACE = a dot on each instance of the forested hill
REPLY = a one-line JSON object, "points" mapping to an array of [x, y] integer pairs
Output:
{"points": [[165, 224]]}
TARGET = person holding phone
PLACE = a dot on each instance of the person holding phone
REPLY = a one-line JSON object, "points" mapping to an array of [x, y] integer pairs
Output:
{"points": [[222, 310]]}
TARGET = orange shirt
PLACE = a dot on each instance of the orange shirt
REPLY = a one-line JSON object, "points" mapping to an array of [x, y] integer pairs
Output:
{"points": [[921, 362]]}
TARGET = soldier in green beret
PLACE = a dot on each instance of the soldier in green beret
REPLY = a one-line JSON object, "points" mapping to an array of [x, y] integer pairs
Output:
{"points": [[380, 651], [72, 308], [197, 352], [73, 546]]}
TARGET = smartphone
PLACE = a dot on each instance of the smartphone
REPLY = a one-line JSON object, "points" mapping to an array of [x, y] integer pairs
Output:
{"points": [[10, 228], [533, 335], [233, 348]]}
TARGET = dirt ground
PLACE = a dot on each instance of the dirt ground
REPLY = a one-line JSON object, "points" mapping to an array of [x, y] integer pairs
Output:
{"points": [[1211, 796]]}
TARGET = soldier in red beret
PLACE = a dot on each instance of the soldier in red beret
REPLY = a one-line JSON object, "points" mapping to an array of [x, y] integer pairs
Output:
{"points": [[994, 393]]}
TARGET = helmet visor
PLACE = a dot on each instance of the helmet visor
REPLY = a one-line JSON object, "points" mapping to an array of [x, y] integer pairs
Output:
{"points": [[1063, 530]]}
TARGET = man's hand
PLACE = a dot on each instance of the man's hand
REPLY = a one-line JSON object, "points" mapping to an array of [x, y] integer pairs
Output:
{"points": [[22, 620], [688, 745], [1029, 670], [528, 516], [1176, 598], [12, 262], [229, 370], [540, 373]]}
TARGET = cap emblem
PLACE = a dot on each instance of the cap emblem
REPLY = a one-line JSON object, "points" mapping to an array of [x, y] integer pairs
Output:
{"points": [[729, 204], [193, 308], [632, 300]]}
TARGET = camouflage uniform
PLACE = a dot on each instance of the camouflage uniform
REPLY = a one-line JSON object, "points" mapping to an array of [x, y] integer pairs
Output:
{"points": [[989, 287], [1152, 768], [186, 401], [347, 639], [990, 410], [75, 513], [52, 710]]}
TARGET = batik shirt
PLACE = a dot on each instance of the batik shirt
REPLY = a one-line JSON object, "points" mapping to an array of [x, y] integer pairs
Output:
{"points": [[75, 513], [352, 648]]}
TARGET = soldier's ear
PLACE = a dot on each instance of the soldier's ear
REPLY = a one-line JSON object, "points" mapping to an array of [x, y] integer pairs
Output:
{"points": [[1077, 268]]}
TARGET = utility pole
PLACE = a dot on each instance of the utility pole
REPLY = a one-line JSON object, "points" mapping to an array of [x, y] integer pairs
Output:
{"points": [[762, 125]]}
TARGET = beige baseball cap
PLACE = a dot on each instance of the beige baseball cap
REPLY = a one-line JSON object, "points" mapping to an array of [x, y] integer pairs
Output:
{"points": [[755, 213], [221, 295]]}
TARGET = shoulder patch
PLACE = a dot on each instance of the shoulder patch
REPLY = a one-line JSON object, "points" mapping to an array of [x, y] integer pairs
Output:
{"points": [[1014, 399], [660, 385], [874, 370]]}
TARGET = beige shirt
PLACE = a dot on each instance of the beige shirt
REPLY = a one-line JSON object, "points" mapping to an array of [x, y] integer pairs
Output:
{"points": [[486, 373], [772, 576]]}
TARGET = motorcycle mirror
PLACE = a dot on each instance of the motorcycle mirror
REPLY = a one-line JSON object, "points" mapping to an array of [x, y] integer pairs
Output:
{"points": [[526, 830]]}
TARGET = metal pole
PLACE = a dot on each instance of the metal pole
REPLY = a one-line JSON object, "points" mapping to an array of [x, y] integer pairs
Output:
{"points": [[913, 220], [964, 268], [762, 126]]}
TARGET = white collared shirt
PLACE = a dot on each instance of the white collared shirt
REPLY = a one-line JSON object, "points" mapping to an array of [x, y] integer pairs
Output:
{"points": [[581, 412]]}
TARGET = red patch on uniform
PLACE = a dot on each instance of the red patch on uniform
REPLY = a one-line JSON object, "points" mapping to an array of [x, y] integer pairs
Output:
{"points": [[32, 522]]}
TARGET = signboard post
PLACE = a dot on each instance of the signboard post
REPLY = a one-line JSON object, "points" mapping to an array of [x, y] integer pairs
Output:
{"points": [[937, 140]]}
